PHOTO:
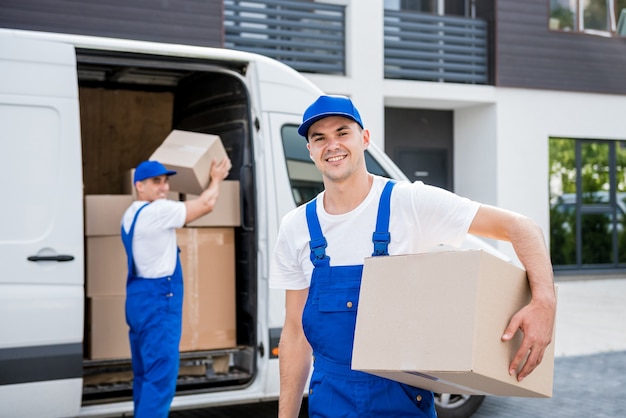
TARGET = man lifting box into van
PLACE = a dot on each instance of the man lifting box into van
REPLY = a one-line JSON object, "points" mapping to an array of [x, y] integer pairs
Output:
{"points": [[154, 288]]}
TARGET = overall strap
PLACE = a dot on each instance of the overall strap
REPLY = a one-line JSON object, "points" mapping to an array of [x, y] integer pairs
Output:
{"points": [[381, 236], [128, 241], [318, 243], [131, 233]]}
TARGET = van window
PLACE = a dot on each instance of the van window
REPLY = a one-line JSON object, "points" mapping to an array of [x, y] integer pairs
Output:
{"points": [[304, 178]]}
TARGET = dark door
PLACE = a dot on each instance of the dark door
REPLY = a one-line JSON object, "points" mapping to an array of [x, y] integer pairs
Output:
{"points": [[427, 165], [420, 141]]}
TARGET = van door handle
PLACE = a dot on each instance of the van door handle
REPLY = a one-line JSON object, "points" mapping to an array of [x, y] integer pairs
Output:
{"points": [[59, 258]]}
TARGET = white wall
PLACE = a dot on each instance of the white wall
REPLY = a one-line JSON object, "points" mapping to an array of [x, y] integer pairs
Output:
{"points": [[475, 153]]}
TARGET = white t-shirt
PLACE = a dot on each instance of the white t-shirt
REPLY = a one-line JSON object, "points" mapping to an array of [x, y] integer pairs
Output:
{"points": [[421, 218], [154, 242]]}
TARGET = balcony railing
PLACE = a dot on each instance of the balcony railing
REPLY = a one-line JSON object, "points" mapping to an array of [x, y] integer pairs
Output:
{"points": [[307, 36], [310, 37], [429, 47]]}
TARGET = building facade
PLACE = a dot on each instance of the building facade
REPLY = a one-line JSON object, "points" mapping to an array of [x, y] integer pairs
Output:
{"points": [[465, 94]]}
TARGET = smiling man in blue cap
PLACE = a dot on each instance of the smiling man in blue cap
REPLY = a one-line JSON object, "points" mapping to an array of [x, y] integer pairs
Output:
{"points": [[154, 287], [318, 260]]}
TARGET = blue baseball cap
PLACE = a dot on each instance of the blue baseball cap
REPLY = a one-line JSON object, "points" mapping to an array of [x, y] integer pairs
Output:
{"points": [[149, 169], [328, 106]]}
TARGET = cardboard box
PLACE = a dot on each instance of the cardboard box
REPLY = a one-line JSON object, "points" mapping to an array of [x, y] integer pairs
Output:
{"points": [[435, 320], [103, 213], [107, 266], [107, 338], [190, 154], [227, 211], [208, 261], [128, 187]]}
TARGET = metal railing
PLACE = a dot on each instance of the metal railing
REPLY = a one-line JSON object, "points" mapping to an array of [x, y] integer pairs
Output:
{"points": [[310, 37], [307, 36], [430, 47]]}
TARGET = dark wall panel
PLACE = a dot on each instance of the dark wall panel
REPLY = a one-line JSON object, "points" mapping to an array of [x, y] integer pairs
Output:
{"points": [[191, 22], [421, 140], [528, 55]]}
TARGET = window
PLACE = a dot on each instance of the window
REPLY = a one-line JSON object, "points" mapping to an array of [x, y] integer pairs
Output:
{"points": [[587, 204], [563, 15], [590, 16], [464, 8], [305, 179]]}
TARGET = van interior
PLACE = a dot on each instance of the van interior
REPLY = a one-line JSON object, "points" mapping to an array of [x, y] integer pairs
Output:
{"points": [[129, 103]]}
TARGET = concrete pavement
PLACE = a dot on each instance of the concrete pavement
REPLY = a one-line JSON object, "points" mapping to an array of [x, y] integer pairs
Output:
{"points": [[591, 317]]}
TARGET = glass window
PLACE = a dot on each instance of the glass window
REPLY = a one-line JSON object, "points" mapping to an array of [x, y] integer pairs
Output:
{"points": [[305, 179], [587, 203], [424, 6], [457, 8], [562, 201], [620, 17], [602, 16], [595, 15], [563, 15], [447, 7]]}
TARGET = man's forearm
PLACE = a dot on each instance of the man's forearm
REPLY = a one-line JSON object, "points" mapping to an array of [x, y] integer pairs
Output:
{"points": [[536, 320], [295, 363], [529, 245]]}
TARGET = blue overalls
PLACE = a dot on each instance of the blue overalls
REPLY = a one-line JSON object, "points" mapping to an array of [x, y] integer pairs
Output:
{"points": [[154, 315], [329, 319]]}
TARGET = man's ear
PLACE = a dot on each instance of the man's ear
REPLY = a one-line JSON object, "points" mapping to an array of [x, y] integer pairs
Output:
{"points": [[366, 138]]}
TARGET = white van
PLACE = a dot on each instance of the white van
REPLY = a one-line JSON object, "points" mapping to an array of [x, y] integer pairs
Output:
{"points": [[75, 114], [59, 142]]}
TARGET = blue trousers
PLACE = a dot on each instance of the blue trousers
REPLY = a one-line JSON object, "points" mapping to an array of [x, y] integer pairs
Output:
{"points": [[154, 315]]}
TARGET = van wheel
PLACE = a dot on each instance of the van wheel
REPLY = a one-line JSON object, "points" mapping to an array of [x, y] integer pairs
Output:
{"points": [[457, 406]]}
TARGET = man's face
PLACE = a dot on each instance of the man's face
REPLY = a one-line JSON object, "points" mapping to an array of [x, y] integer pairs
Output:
{"points": [[153, 188], [337, 145]]}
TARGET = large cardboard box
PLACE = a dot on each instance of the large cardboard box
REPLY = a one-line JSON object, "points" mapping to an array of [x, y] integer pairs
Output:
{"points": [[190, 154], [103, 213], [208, 261], [435, 321], [107, 338], [227, 211], [107, 266]]}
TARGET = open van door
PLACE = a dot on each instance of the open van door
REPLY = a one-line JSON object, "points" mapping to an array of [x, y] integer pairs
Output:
{"points": [[41, 230]]}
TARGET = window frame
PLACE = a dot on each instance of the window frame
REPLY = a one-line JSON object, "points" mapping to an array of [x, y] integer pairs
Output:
{"points": [[578, 19]]}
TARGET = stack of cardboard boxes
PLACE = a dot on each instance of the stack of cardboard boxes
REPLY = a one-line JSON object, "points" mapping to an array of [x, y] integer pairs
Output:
{"points": [[106, 268], [207, 254]]}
